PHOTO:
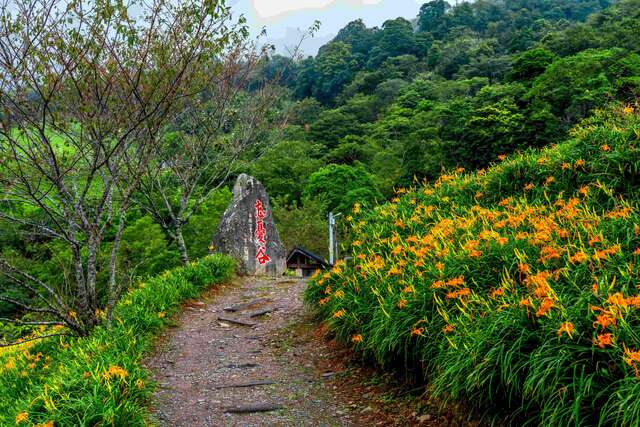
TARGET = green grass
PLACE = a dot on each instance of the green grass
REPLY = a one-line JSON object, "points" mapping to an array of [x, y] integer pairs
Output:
{"points": [[99, 380], [514, 289]]}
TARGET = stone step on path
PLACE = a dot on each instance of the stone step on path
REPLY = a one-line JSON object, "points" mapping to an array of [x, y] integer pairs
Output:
{"points": [[219, 367]]}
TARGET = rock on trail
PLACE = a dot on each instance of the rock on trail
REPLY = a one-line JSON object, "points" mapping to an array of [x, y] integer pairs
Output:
{"points": [[248, 233]]}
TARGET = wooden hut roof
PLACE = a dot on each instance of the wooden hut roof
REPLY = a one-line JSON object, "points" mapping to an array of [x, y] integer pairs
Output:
{"points": [[308, 254]]}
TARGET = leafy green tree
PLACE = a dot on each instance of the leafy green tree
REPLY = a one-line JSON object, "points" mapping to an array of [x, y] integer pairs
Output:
{"points": [[530, 64], [305, 111], [571, 87], [334, 67], [303, 225], [396, 38], [332, 126], [363, 108], [204, 222], [431, 17], [285, 168], [352, 150], [332, 184], [491, 130], [145, 251], [358, 36]]}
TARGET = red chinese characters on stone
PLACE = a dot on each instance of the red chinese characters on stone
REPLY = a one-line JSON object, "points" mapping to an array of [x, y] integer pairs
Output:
{"points": [[261, 234]]}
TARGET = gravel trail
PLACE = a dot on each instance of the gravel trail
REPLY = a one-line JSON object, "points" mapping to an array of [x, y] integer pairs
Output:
{"points": [[209, 367]]}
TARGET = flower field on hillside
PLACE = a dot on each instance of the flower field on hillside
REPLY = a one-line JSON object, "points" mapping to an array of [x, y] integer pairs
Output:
{"points": [[514, 289], [99, 380]]}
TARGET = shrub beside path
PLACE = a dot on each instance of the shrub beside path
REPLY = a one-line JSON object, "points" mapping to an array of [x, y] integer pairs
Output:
{"points": [[209, 367]]}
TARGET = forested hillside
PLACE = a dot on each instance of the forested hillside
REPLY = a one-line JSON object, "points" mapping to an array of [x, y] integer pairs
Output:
{"points": [[484, 158], [501, 265], [379, 108]]}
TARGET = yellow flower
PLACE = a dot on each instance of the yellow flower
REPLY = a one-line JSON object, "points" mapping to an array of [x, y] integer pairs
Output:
{"points": [[10, 364], [161, 314], [139, 384], [501, 157], [545, 307], [528, 187], [565, 166], [578, 257], [566, 327], [584, 190], [115, 371], [22, 417], [356, 208], [340, 313], [579, 163], [605, 147], [632, 356], [356, 338]]}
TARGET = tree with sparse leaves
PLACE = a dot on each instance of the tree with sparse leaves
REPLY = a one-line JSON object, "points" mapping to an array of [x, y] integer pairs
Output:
{"points": [[85, 90]]}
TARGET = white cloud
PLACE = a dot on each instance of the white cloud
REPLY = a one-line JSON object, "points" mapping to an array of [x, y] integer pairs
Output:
{"points": [[266, 9]]}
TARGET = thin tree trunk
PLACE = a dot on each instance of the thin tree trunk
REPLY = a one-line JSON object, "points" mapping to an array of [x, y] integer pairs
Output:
{"points": [[82, 305], [114, 289], [182, 247]]}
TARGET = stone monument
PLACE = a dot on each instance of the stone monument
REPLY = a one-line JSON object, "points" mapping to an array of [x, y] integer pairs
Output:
{"points": [[248, 232]]}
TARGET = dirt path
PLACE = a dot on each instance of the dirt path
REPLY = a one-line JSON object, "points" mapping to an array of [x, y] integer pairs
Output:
{"points": [[207, 366]]}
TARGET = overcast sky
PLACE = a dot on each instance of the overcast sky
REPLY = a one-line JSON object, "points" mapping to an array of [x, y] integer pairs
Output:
{"points": [[284, 19]]}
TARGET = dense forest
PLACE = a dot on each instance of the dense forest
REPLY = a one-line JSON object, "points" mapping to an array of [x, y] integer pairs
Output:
{"points": [[382, 108], [120, 140]]}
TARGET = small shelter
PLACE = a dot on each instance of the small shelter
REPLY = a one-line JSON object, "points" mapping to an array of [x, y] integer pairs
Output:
{"points": [[305, 263]]}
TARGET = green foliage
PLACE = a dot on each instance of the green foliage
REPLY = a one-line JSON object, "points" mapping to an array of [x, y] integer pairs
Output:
{"points": [[331, 126], [199, 231], [145, 251], [513, 289], [430, 18], [573, 86], [303, 225], [335, 184], [99, 380], [353, 149], [286, 167], [530, 64]]}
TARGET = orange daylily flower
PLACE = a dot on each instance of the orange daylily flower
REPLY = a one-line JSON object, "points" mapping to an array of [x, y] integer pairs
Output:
{"points": [[566, 327]]}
